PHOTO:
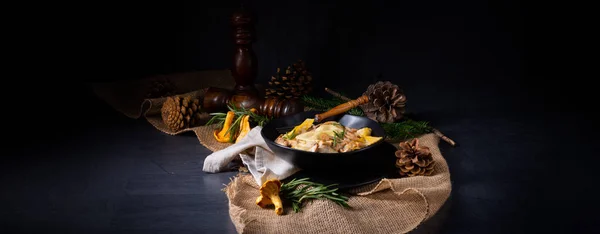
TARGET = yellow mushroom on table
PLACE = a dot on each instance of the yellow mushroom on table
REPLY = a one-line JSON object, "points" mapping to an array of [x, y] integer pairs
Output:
{"points": [[269, 195]]}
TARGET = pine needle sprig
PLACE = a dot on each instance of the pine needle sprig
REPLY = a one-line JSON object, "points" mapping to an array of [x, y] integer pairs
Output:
{"points": [[356, 111], [299, 190], [319, 103], [406, 129]]}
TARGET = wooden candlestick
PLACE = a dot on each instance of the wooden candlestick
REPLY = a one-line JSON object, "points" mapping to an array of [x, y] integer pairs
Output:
{"points": [[245, 64]]}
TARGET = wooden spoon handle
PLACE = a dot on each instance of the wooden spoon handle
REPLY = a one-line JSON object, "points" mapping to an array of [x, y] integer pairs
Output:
{"points": [[342, 108]]}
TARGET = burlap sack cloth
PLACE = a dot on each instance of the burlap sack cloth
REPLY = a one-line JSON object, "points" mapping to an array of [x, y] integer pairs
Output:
{"points": [[129, 98], [390, 206]]}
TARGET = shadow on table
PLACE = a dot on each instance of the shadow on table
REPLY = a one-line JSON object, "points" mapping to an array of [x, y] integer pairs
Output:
{"points": [[187, 134], [435, 223]]}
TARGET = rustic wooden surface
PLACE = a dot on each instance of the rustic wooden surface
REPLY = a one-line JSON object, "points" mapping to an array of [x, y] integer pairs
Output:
{"points": [[124, 177]]}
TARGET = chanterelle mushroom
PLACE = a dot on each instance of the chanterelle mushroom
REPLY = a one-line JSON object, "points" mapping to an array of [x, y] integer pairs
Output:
{"points": [[223, 135], [269, 194]]}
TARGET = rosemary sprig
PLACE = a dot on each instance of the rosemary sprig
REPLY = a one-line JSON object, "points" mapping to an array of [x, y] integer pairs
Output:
{"points": [[234, 128], [299, 190], [338, 136], [259, 120], [219, 119]]}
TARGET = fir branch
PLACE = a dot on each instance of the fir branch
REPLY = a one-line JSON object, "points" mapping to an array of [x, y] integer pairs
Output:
{"points": [[406, 129], [320, 103], [299, 190], [356, 111]]}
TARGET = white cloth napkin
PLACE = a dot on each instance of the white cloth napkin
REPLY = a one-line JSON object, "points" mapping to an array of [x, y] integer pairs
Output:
{"points": [[255, 154]]}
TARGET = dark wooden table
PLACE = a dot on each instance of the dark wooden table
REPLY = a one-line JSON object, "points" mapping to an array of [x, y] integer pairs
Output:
{"points": [[104, 173]]}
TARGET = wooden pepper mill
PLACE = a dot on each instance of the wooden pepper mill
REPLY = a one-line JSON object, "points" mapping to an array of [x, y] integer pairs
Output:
{"points": [[244, 72], [244, 61], [244, 93], [216, 99]]}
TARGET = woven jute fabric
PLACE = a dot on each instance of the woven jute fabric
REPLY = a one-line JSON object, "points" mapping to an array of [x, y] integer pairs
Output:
{"points": [[206, 138], [154, 117], [130, 97], [396, 205]]}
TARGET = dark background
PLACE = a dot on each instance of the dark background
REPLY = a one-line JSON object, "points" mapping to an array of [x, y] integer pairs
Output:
{"points": [[494, 75], [520, 52]]}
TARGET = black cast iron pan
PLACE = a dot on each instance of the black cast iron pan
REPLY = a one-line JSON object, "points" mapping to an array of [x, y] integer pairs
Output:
{"points": [[382, 166], [372, 157]]}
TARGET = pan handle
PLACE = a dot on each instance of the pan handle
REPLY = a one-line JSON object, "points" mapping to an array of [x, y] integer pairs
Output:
{"points": [[342, 108]]}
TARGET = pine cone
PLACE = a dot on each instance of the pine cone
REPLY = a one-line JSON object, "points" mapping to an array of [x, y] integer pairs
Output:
{"points": [[386, 102], [293, 83], [179, 113], [414, 160], [161, 88]]}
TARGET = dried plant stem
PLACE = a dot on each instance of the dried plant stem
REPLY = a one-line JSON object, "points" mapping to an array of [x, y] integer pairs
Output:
{"points": [[444, 137], [337, 95], [434, 130]]}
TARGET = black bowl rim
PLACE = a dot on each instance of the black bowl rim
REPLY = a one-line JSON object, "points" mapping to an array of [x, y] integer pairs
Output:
{"points": [[271, 142]]}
